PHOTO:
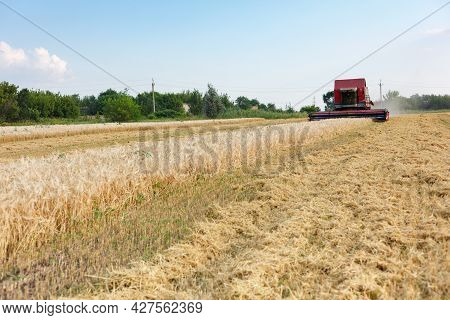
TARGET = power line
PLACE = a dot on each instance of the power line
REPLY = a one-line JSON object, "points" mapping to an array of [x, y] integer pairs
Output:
{"points": [[373, 52], [67, 46]]}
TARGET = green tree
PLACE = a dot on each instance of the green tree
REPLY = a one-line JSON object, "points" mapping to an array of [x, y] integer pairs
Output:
{"points": [[121, 108], [103, 99], [71, 106], [391, 95], [271, 107], [89, 105], [328, 99], [254, 103], [309, 109], [27, 109], [290, 109], [145, 101], [43, 102], [263, 107], [226, 101], [169, 101], [243, 103], [9, 107], [58, 106], [212, 104], [195, 102]]}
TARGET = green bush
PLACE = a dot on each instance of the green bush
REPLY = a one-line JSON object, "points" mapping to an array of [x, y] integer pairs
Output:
{"points": [[89, 106], [9, 108], [102, 101], [212, 103], [195, 101], [168, 113], [145, 101], [121, 108], [250, 113], [310, 109]]}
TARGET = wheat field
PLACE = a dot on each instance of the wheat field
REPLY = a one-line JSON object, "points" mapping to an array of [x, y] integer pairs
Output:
{"points": [[40, 146], [43, 195], [346, 209], [368, 218]]}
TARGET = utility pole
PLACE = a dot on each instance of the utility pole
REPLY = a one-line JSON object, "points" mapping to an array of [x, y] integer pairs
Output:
{"points": [[153, 95], [381, 95], [314, 101]]}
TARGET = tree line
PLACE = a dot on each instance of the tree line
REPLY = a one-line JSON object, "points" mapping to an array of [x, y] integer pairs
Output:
{"points": [[25, 104], [427, 102], [34, 105]]}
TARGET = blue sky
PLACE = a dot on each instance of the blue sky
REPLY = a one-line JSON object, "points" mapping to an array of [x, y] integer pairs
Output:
{"points": [[277, 51]]}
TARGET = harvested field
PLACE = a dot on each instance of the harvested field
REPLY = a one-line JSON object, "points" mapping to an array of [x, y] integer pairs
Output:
{"points": [[335, 209], [363, 216]]}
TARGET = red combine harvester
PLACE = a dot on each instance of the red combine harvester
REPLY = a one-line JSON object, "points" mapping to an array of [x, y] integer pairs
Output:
{"points": [[351, 100]]}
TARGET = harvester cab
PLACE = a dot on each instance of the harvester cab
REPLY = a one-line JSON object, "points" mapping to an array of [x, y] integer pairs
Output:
{"points": [[351, 100]]}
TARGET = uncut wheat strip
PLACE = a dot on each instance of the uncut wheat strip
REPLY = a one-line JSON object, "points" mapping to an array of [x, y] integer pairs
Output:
{"points": [[18, 130], [126, 157], [51, 191], [22, 133], [74, 174]]}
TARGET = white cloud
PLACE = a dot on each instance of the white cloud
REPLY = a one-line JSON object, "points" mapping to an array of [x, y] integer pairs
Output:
{"points": [[10, 56], [437, 32], [40, 61], [49, 63]]}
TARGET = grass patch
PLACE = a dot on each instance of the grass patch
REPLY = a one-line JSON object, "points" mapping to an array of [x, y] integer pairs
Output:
{"points": [[92, 120], [229, 114], [239, 113]]}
